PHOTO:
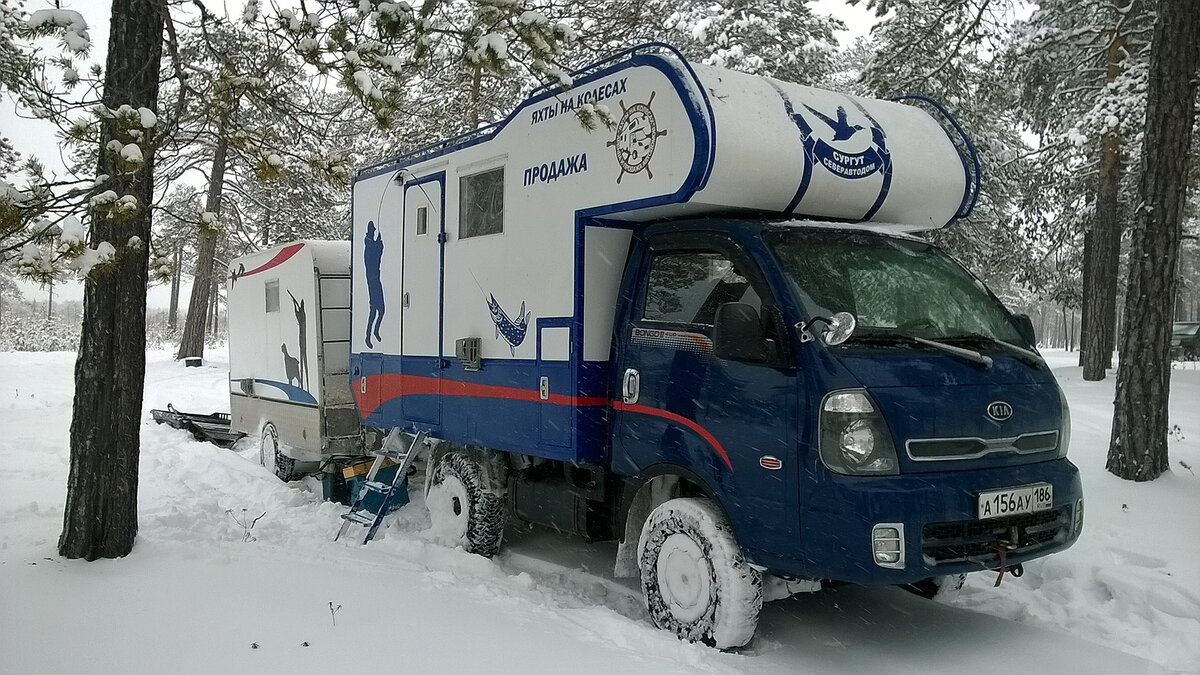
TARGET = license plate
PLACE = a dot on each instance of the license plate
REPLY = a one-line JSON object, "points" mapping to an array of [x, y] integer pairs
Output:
{"points": [[1013, 501]]}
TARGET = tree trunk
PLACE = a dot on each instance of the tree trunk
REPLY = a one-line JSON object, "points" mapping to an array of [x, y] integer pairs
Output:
{"points": [[191, 343], [473, 106], [173, 314], [1138, 447], [1102, 245], [215, 303], [100, 517]]}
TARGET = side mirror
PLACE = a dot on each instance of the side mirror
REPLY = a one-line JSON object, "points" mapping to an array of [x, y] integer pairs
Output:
{"points": [[1025, 328], [738, 333]]}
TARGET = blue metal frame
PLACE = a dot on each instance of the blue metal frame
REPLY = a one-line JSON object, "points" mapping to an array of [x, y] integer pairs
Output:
{"points": [[971, 192]]}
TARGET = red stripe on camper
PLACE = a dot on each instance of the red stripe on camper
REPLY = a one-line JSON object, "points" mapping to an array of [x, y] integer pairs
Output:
{"points": [[391, 386], [678, 419], [284, 254]]}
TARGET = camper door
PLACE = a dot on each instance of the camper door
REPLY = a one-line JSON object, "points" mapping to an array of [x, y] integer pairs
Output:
{"points": [[422, 291]]}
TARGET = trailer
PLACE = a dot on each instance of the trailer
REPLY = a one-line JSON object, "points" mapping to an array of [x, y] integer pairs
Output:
{"points": [[684, 308], [289, 317]]}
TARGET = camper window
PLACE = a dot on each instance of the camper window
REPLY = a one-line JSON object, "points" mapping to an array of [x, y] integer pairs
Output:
{"points": [[422, 220], [272, 296], [481, 204]]}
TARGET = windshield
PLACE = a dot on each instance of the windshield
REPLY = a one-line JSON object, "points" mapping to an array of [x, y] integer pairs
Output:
{"points": [[893, 287], [1185, 329]]}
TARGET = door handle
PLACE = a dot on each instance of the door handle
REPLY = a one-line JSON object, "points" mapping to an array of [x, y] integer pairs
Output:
{"points": [[631, 386]]}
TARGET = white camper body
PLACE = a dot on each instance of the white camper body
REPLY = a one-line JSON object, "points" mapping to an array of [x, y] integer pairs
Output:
{"points": [[289, 309], [516, 236]]}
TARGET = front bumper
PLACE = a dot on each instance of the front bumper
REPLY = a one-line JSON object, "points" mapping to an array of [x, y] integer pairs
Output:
{"points": [[941, 531]]}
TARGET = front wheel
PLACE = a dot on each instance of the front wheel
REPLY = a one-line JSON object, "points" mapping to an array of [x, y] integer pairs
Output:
{"points": [[273, 459], [695, 580]]}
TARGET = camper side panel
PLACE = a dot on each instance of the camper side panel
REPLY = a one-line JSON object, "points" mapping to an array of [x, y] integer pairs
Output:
{"points": [[273, 347], [508, 271]]}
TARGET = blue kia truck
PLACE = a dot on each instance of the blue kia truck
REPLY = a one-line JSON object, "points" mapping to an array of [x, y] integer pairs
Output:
{"points": [[689, 310]]}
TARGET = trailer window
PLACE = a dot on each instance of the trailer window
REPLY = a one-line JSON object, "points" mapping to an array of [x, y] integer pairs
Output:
{"points": [[272, 296], [689, 286], [422, 220], [481, 204]]}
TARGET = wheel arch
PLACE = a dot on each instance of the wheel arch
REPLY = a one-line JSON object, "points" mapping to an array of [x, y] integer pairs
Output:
{"points": [[653, 486]]}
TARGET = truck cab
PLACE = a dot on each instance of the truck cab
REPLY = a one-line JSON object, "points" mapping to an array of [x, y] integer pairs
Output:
{"points": [[929, 439]]}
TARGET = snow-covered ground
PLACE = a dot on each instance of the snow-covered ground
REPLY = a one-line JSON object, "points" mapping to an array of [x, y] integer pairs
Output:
{"points": [[194, 598]]}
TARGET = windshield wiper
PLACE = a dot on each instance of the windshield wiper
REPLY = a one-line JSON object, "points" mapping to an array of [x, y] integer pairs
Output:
{"points": [[887, 338], [968, 354], [1025, 355], [903, 338]]}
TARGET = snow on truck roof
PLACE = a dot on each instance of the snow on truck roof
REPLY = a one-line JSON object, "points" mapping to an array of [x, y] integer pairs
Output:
{"points": [[690, 139]]}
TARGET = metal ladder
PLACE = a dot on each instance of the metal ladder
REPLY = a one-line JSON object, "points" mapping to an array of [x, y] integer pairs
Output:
{"points": [[393, 449]]}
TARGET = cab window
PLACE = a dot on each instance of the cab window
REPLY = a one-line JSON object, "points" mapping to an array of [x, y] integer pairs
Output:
{"points": [[688, 287]]}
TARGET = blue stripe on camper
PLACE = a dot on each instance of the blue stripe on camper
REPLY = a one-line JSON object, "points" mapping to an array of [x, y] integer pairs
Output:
{"points": [[294, 393]]}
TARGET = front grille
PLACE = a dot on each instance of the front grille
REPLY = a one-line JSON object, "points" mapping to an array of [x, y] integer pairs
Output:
{"points": [[979, 540], [930, 449]]}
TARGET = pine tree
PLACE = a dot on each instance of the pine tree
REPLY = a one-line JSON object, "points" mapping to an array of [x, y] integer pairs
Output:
{"points": [[784, 39], [100, 519], [958, 53], [1138, 447], [1083, 75]]}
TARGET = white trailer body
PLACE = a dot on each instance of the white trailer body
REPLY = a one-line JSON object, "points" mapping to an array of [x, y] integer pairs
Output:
{"points": [[517, 235], [289, 309]]}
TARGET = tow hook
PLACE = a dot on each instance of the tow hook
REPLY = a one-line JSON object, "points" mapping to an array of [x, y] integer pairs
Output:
{"points": [[1004, 544]]}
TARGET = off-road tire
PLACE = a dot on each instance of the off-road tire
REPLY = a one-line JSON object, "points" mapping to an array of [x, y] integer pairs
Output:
{"points": [[465, 496], [269, 456], [695, 581]]}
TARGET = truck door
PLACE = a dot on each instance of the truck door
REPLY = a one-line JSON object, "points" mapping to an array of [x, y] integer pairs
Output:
{"points": [[732, 423], [421, 298]]}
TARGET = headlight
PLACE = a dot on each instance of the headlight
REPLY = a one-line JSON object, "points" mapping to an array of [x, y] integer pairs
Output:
{"points": [[857, 442], [854, 439], [1064, 433]]}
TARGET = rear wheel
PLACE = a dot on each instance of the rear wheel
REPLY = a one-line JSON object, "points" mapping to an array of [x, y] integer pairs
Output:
{"points": [[462, 507], [273, 459], [695, 580]]}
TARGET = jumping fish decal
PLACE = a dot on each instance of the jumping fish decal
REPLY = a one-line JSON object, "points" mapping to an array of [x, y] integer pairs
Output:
{"points": [[513, 331]]}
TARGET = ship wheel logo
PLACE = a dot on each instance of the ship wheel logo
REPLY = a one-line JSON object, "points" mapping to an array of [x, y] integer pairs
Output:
{"points": [[637, 134]]}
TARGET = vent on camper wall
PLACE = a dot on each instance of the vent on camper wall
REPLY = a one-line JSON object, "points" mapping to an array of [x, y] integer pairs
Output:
{"points": [[966, 151], [467, 351]]}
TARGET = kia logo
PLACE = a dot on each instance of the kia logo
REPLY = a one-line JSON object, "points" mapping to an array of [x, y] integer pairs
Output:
{"points": [[999, 411]]}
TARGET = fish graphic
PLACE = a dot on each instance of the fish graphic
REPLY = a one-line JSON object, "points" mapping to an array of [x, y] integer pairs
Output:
{"points": [[513, 331]]}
